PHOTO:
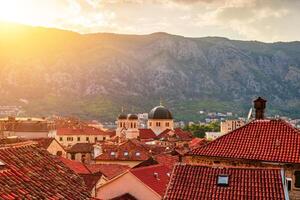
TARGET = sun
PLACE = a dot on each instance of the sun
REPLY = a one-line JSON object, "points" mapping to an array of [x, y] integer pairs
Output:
{"points": [[32, 12]]}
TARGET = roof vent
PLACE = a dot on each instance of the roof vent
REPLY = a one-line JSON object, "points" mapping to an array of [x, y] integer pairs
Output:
{"points": [[223, 180], [2, 165], [260, 105], [155, 174]]}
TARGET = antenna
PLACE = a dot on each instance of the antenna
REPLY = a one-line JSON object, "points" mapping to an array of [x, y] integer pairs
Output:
{"points": [[122, 109], [160, 101], [249, 114]]}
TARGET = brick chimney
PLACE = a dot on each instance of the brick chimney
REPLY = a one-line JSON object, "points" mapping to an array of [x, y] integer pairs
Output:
{"points": [[260, 105]]}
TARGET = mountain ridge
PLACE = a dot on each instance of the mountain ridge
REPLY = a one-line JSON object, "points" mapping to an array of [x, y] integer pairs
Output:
{"points": [[94, 75]]}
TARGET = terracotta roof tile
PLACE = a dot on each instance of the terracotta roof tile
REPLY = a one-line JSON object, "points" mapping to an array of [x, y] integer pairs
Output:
{"points": [[146, 134], [83, 130], [90, 178], [264, 140], [81, 148], [177, 132], [76, 166], [109, 170], [32, 173], [128, 150], [167, 160], [200, 182], [147, 176]]}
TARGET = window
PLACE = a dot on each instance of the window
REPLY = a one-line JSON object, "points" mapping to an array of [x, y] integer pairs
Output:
{"points": [[87, 139], [223, 180], [157, 123], [137, 153], [69, 138], [72, 156], [96, 139], [59, 153], [112, 153], [289, 183], [297, 179], [83, 158], [150, 123], [78, 139], [125, 153], [167, 124], [60, 138], [104, 138]]}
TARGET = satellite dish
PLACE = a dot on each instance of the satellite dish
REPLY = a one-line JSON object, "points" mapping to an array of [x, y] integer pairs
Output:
{"points": [[249, 114]]}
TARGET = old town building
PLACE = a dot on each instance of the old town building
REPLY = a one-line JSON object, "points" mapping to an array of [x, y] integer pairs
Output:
{"points": [[147, 183], [262, 143], [69, 136], [27, 128], [223, 182]]}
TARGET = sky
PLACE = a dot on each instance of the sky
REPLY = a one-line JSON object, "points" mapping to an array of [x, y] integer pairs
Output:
{"points": [[262, 20]]}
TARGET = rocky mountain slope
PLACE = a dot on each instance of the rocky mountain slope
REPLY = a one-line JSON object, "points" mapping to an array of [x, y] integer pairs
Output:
{"points": [[94, 75]]}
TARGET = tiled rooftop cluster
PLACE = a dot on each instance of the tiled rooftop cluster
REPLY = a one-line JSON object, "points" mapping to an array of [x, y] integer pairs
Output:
{"points": [[201, 182], [29, 172], [265, 140], [128, 150], [155, 176]]}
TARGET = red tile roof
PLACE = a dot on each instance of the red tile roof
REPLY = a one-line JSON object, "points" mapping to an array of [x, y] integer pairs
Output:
{"points": [[197, 142], [90, 178], [83, 130], [167, 160], [81, 148], [177, 132], [108, 170], [147, 176], [33, 173], [146, 134], [136, 152], [264, 140], [200, 182], [76, 166]]}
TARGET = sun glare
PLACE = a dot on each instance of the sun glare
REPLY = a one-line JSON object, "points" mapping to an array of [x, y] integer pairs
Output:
{"points": [[26, 12]]}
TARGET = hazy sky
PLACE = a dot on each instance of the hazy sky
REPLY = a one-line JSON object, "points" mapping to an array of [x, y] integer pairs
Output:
{"points": [[264, 20]]}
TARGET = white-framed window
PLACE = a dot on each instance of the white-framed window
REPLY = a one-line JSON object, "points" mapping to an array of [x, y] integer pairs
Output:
{"points": [[112, 153], [126, 153], [223, 180], [137, 153]]}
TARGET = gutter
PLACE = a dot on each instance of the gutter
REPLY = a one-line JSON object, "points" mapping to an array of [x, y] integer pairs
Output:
{"points": [[284, 184]]}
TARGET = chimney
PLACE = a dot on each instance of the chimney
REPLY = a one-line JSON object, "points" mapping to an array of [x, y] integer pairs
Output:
{"points": [[260, 105]]}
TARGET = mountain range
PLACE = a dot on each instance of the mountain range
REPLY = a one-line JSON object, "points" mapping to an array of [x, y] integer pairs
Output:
{"points": [[50, 71]]}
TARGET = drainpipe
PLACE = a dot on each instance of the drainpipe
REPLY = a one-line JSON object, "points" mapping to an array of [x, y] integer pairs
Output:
{"points": [[285, 189]]}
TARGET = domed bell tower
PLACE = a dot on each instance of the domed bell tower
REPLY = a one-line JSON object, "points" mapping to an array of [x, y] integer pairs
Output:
{"points": [[121, 124], [132, 126], [160, 119]]}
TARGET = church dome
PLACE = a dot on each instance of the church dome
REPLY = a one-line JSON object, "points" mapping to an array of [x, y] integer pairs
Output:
{"points": [[160, 112], [122, 116], [132, 117]]}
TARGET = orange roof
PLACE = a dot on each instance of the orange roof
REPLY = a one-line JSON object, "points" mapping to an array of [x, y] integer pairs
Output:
{"points": [[85, 130], [154, 176], [128, 150], [109, 170], [145, 134], [201, 182], [33, 173], [76, 166], [265, 140]]}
